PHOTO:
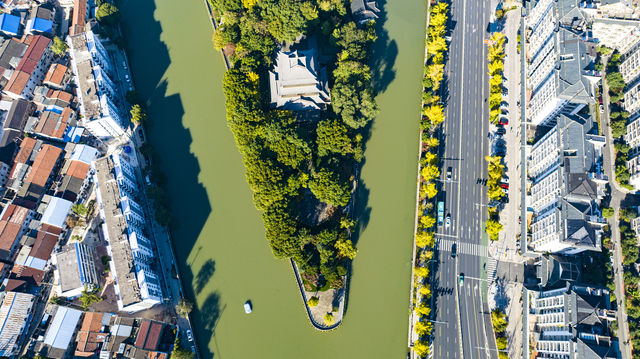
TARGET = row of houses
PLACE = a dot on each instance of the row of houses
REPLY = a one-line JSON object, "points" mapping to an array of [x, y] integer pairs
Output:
{"points": [[64, 143], [565, 179], [71, 333]]}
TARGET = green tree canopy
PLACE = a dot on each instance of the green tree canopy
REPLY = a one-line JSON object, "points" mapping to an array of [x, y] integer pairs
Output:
{"points": [[59, 47], [108, 13]]}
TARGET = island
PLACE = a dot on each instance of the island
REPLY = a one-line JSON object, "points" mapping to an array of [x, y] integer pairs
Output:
{"points": [[299, 101]]}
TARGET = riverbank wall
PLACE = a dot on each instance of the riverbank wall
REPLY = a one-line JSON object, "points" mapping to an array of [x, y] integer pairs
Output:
{"points": [[214, 24]]}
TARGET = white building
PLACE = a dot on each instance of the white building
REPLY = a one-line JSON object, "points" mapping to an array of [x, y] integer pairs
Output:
{"points": [[75, 270], [571, 323], [560, 73], [617, 34], [15, 314], [61, 331], [567, 184], [298, 82], [99, 96], [138, 284]]}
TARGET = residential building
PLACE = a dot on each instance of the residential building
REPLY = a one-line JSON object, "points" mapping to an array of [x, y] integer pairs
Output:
{"points": [[11, 131], [571, 323], [633, 164], [31, 69], [79, 17], [92, 334], [9, 24], [77, 172], [59, 334], [298, 82], [11, 52], [567, 185], [14, 221], [632, 98], [99, 96], [364, 11], [619, 34], [552, 269], [560, 72], [31, 180], [75, 269], [11, 5], [149, 334], [57, 76], [15, 314], [137, 281], [41, 21], [130, 338], [36, 250]]}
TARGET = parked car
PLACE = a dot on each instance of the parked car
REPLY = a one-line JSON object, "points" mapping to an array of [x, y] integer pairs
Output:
{"points": [[601, 108], [504, 185], [501, 130], [503, 121], [189, 335]]}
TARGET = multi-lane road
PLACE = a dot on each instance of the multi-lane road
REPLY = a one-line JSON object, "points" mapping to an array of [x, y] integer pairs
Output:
{"points": [[463, 325]]}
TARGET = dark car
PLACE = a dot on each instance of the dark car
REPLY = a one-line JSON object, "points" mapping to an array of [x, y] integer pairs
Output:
{"points": [[454, 247], [503, 121], [501, 131]]}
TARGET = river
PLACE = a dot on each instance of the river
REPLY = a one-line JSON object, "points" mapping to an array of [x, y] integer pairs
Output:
{"points": [[219, 237]]}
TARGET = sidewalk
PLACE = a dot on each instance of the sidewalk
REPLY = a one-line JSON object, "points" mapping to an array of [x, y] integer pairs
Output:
{"points": [[616, 198]]}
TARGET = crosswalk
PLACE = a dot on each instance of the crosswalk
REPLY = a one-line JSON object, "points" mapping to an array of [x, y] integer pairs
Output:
{"points": [[473, 249], [492, 267]]}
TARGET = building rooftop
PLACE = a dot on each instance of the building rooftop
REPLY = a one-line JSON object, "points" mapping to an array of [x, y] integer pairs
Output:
{"points": [[43, 165], [38, 45], [13, 311], [62, 328], [9, 23], [572, 62], [79, 15], [11, 222], [18, 114], [54, 124], [56, 212], [55, 75], [116, 226], [87, 89], [11, 52], [364, 10], [298, 82]]}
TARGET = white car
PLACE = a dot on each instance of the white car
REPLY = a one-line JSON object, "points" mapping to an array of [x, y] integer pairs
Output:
{"points": [[601, 109], [448, 221], [189, 335]]}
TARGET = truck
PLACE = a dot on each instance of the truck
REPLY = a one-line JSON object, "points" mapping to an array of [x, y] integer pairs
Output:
{"points": [[440, 212]]}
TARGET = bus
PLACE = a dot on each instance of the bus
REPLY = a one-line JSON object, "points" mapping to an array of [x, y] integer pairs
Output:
{"points": [[440, 212]]}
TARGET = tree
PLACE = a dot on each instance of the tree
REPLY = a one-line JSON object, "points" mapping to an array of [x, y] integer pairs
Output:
{"points": [[179, 352], [493, 229], [329, 319], [108, 13], [421, 348], [427, 221], [498, 320], [56, 300], [184, 307], [425, 290], [422, 309], [59, 47], [430, 173], [333, 137], [345, 248], [423, 328], [80, 209], [138, 114], [431, 190], [330, 188], [607, 212], [424, 239], [89, 297], [434, 113], [436, 73], [313, 301]]}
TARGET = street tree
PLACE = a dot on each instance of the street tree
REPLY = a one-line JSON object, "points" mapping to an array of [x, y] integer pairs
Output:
{"points": [[184, 307], [59, 47]]}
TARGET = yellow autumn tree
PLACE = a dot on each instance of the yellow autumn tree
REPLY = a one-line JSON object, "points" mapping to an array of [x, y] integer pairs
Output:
{"points": [[424, 239]]}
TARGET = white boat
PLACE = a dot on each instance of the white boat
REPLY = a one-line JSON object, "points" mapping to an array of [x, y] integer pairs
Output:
{"points": [[247, 307]]}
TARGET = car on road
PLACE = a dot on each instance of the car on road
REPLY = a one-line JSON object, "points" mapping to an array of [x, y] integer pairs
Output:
{"points": [[504, 185], [601, 108], [454, 247], [448, 220], [449, 171], [501, 130], [461, 279], [189, 335], [503, 121]]}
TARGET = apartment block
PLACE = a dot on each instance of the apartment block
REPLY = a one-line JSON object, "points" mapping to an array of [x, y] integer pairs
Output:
{"points": [[571, 323], [566, 186], [75, 270], [31, 69], [560, 72], [15, 314], [100, 99], [137, 284]]}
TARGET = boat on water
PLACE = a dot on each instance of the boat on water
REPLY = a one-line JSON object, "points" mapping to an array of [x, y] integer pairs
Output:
{"points": [[247, 307]]}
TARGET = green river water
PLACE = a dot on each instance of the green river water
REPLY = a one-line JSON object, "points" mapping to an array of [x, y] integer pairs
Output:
{"points": [[219, 238]]}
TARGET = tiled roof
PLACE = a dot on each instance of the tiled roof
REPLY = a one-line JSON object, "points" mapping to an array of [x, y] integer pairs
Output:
{"points": [[43, 246], [53, 124], [43, 165], [79, 14], [10, 226], [32, 275], [78, 169], [56, 73], [26, 147], [18, 82]]}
